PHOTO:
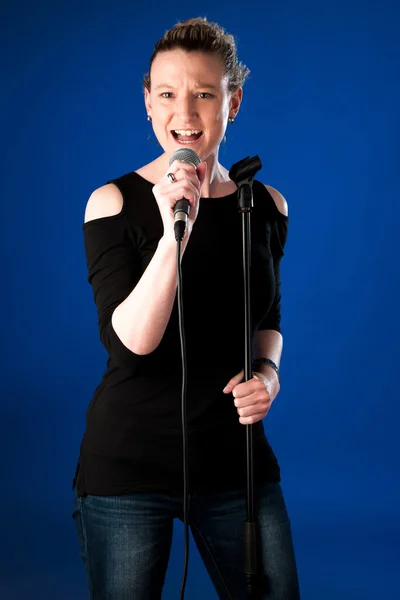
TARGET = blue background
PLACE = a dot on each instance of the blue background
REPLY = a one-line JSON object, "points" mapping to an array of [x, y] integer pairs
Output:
{"points": [[322, 111]]}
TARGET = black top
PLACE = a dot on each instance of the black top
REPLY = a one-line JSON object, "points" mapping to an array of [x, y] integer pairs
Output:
{"points": [[133, 437]]}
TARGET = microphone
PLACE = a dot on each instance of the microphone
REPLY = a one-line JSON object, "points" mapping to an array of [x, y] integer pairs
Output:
{"points": [[182, 207]]}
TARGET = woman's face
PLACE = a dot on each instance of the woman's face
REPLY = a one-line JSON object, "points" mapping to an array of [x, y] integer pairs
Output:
{"points": [[189, 93]]}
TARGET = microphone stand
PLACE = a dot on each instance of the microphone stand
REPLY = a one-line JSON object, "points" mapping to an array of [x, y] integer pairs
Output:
{"points": [[242, 173]]}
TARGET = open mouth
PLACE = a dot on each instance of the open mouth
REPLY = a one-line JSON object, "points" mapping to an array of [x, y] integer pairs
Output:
{"points": [[187, 136]]}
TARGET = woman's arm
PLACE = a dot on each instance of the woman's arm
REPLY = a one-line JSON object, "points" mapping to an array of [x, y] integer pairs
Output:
{"points": [[268, 344], [141, 319]]}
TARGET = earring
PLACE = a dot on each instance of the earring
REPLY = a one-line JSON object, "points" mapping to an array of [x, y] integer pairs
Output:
{"points": [[149, 118], [231, 120]]}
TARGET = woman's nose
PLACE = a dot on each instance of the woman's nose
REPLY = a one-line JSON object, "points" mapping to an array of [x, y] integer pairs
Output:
{"points": [[186, 108]]}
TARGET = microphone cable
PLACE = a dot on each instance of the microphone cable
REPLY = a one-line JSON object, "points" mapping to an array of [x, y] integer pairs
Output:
{"points": [[186, 495], [181, 212]]}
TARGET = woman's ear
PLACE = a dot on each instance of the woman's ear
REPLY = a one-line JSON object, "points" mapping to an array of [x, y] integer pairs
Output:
{"points": [[236, 101], [147, 101]]}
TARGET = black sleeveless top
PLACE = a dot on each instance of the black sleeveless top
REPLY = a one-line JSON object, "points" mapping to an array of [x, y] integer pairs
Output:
{"points": [[133, 436]]}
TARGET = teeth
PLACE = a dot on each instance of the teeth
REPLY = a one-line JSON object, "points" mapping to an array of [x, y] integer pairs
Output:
{"points": [[187, 131]]}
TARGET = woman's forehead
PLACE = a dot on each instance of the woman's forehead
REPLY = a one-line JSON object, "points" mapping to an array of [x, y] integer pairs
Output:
{"points": [[195, 65]]}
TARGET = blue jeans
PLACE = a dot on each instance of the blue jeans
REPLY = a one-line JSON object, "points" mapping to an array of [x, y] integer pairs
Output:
{"points": [[125, 542]]}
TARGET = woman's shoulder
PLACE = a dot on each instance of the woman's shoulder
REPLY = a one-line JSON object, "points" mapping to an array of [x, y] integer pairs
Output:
{"points": [[280, 201], [109, 199], [277, 201], [105, 201]]}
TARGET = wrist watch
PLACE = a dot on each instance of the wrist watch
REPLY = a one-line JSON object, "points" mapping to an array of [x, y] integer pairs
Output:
{"points": [[266, 361]]}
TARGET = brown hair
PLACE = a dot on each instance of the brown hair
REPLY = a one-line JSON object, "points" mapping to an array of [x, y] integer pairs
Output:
{"points": [[205, 36]]}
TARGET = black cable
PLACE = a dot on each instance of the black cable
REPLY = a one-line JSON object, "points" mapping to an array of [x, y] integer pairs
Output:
{"points": [[186, 496]]}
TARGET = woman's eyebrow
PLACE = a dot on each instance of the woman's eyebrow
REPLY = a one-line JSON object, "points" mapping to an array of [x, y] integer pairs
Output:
{"points": [[208, 86]]}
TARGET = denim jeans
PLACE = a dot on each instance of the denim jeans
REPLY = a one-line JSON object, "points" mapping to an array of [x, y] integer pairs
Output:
{"points": [[125, 542]]}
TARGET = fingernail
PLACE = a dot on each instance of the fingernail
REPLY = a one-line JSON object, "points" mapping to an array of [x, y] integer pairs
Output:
{"points": [[226, 388]]}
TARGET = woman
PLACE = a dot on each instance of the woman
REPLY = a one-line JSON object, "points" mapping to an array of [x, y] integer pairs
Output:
{"points": [[129, 480]]}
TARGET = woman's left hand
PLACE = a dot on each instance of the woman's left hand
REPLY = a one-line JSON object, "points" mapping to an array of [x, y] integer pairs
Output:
{"points": [[253, 398]]}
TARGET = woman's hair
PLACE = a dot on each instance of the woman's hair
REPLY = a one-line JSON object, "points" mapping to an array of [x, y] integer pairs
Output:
{"points": [[205, 36]]}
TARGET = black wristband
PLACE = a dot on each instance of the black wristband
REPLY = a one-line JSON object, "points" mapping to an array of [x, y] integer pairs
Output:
{"points": [[266, 361]]}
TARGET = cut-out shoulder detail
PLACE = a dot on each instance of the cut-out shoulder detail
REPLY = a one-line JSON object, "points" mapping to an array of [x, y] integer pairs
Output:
{"points": [[279, 200], [105, 201]]}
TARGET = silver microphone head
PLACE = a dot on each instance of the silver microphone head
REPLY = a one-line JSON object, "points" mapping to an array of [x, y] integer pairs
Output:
{"points": [[186, 155]]}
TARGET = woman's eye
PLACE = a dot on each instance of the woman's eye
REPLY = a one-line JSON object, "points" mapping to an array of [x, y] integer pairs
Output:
{"points": [[202, 95]]}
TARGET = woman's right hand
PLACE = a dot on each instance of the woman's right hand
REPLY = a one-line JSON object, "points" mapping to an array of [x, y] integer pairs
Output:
{"points": [[187, 185]]}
